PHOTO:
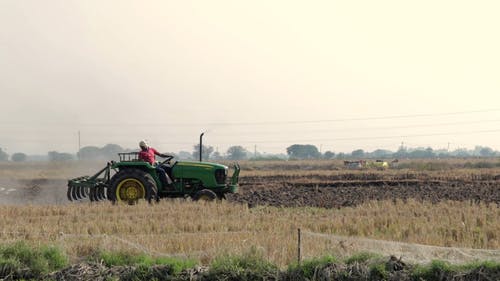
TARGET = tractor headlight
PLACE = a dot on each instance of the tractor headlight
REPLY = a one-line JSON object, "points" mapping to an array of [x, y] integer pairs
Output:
{"points": [[220, 176]]}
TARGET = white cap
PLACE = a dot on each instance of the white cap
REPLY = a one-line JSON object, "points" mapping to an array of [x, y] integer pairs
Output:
{"points": [[143, 143]]}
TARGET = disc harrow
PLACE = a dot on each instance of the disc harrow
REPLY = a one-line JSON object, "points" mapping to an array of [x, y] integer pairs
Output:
{"points": [[92, 187]]}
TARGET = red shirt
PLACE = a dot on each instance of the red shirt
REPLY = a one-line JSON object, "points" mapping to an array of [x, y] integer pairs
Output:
{"points": [[148, 155]]}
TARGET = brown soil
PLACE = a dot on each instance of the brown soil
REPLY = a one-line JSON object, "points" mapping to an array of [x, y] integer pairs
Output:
{"points": [[328, 193]]}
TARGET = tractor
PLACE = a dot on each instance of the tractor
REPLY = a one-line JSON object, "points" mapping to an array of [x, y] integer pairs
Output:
{"points": [[131, 179]]}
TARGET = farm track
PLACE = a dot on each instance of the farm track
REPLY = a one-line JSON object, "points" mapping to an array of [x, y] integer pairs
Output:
{"points": [[329, 192]]}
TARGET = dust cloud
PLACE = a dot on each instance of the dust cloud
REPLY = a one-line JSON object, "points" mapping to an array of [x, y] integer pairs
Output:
{"points": [[40, 183]]}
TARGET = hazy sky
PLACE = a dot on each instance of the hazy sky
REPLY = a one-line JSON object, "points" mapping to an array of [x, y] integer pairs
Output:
{"points": [[341, 75]]}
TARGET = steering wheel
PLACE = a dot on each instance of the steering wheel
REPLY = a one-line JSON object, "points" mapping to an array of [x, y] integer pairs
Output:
{"points": [[167, 159]]}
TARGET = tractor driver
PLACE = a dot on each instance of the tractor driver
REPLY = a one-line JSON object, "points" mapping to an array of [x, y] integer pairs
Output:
{"points": [[147, 154]]}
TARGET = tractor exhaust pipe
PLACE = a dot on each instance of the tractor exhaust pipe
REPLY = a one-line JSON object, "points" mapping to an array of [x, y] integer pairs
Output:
{"points": [[201, 145]]}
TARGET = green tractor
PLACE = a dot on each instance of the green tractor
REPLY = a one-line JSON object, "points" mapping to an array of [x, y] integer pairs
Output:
{"points": [[131, 179]]}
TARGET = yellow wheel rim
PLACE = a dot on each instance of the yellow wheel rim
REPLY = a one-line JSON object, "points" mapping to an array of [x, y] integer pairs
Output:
{"points": [[130, 190], [205, 198]]}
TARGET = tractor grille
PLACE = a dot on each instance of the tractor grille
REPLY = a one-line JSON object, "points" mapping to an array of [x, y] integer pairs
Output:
{"points": [[220, 176]]}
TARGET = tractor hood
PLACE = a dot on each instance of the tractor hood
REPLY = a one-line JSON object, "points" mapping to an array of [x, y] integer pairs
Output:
{"points": [[208, 172]]}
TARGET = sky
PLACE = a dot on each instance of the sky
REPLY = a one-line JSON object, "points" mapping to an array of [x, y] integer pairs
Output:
{"points": [[341, 75]]}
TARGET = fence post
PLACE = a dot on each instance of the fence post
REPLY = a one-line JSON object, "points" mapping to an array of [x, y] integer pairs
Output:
{"points": [[298, 247]]}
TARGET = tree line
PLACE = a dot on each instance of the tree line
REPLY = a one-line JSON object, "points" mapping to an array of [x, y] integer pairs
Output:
{"points": [[237, 152]]}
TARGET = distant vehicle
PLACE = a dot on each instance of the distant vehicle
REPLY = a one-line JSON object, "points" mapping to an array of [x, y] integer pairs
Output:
{"points": [[363, 164], [378, 164], [356, 164]]}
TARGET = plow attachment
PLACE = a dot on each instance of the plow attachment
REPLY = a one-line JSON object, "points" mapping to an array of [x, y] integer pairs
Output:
{"points": [[92, 187]]}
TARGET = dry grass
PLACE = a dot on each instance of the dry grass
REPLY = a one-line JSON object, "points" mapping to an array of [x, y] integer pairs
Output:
{"points": [[206, 230]]}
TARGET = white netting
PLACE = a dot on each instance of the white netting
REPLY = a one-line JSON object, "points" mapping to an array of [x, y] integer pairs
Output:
{"points": [[345, 246]]}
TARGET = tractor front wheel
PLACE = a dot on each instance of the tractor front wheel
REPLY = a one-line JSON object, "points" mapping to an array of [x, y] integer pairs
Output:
{"points": [[205, 195], [130, 185]]}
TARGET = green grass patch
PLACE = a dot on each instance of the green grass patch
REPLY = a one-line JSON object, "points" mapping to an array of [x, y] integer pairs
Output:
{"points": [[362, 257], [123, 258], [378, 272], [248, 266], [437, 270], [21, 260], [308, 267]]}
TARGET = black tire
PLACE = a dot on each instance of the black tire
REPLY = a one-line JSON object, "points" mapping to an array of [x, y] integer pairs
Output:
{"points": [[205, 195], [130, 185]]}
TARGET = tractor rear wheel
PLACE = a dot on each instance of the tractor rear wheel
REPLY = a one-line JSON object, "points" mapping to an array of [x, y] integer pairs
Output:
{"points": [[130, 185], [205, 195]]}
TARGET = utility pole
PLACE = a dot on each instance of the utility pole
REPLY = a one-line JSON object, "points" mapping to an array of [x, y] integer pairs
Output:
{"points": [[255, 151], [79, 145]]}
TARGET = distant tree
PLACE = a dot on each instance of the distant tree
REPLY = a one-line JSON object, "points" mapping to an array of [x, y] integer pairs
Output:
{"points": [[358, 153], [381, 153], [442, 153], [486, 152], [206, 152], [89, 153], [107, 152], [401, 153], [461, 152], [19, 157], [341, 155], [3, 155], [58, 156], [216, 156], [303, 151], [236, 152], [111, 150], [185, 155], [328, 155], [422, 153], [429, 153]]}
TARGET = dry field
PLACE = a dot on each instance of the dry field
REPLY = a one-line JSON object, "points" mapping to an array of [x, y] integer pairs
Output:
{"points": [[449, 207], [206, 230]]}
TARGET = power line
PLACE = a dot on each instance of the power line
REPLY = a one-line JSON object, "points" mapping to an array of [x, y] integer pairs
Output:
{"points": [[288, 140], [337, 130], [265, 122], [369, 138]]}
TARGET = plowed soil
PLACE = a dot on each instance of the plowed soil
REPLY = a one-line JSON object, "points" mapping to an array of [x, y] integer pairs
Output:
{"points": [[333, 193]]}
